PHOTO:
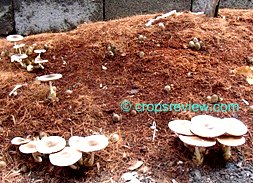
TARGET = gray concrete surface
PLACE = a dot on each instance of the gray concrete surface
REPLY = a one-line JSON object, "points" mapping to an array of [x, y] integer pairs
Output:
{"points": [[200, 5], [237, 4], [6, 17], [122, 8], [36, 16]]}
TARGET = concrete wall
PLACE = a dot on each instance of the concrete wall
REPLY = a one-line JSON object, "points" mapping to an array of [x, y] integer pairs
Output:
{"points": [[199, 5], [36, 16], [122, 8], [6, 17]]}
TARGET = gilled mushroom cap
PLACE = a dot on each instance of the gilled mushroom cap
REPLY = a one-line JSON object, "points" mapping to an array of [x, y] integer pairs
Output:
{"points": [[18, 46], [66, 157], [181, 127], [51, 144], [19, 141], [207, 126], [74, 140], [197, 141], [91, 143], [28, 148], [235, 127], [14, 38], [40, 51], [49, 77], [39, 61], [19, 56], [231, 141]]}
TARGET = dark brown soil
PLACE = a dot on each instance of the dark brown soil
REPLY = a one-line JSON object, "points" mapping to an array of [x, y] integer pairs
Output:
{"points": [[228, 41]]}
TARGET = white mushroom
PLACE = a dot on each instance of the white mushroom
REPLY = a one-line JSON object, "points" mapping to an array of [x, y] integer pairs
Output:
{"points": [[90, 144], [18, 47], [199, 145], [14, 38], [39, 52], [19, 141], [234, 127], [66, 157], [228, 141], [40, 61], [52, 89], [207, 126], [181, 127], [30, 148], [51, 144], [18, 58]]}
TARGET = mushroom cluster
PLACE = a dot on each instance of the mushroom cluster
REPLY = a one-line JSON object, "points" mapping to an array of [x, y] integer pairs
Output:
{"points": [[21, 56], [205, 131], [62, 153]]}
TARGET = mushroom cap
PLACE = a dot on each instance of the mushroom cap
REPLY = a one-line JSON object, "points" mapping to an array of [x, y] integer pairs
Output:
{"points": [[207, 126], [19, 56], [49, 77], [74, 140], [181, 127], [18, 46], [28, 148], [14, 38], [39, 60], [51, 144], [235, 127], [19, 141], [197, 141], [231, 140], [91, 143], [39, 51], [66, 157]]}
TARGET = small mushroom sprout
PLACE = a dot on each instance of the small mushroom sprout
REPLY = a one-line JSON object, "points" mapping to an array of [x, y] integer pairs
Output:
{"points": [[195, 44], [52, 89]]}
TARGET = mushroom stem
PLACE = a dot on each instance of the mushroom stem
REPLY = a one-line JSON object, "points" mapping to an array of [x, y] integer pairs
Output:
{"points": [[226, 152], [89, 161], [191, 149], [80, 161], [37, 157], [52, 92], [51, 86], [198, 157], [74, 167], [41, 66]]}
